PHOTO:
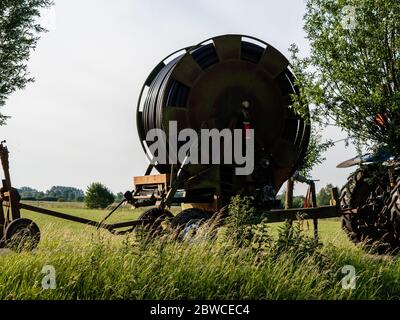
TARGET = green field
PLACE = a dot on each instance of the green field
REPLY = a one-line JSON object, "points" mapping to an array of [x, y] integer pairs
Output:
{"points": [[98, 265]]}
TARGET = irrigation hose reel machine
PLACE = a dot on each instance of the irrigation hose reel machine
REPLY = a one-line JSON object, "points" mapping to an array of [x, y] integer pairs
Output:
{"points": [[226, 82]]}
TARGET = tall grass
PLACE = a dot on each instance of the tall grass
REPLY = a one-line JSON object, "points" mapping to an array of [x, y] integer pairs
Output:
{"points": [[98, 265]]}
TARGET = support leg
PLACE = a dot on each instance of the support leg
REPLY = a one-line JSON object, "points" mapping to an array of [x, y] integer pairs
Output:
{"points": [[7, 192], [2, 220], [314, 205]]}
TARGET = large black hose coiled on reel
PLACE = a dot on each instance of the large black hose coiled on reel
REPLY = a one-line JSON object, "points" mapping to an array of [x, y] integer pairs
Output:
{"points": [[209, 81]]}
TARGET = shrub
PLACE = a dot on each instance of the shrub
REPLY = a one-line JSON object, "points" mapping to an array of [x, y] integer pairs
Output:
{"points": [[98, 196], [248, 229], [292, 240], [241, 215]]}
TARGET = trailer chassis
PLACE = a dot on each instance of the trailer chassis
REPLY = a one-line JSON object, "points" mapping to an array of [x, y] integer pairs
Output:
{"points": [[11, 221]]}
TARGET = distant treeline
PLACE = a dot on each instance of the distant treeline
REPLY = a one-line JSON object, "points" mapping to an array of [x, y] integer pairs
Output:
{"points": [[56, 193]]}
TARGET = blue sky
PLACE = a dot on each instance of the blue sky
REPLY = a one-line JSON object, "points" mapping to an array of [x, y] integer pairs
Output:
{"points": [[76, 123]]}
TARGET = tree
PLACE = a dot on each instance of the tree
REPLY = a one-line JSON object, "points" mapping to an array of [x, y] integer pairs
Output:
{"points": [[66, 193], [55, 192], [298, 202], [324, 195], [352, 76], [315, 152], [28, 193], [19, 33], [98, 196], [119, 197]]}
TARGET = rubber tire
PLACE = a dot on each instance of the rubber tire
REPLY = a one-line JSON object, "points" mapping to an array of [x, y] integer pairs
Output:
{"points": [[354, 194], [18, 225], [154, 218], [393, 208], [183, 217]]}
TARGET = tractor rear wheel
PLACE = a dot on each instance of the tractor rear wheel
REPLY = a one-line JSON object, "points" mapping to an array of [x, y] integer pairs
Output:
{"points": [[365, 191], [393, 208]]}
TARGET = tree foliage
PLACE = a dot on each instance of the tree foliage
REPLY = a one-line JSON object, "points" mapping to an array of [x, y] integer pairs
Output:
{"points": [[98, 196], [55, 193], [324, 195], [119, 196], [352, 76], [315, 152], [65, 193], [19, 33], [298, 201]]}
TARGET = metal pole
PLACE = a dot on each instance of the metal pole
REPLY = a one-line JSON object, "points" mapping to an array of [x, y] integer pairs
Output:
{"points": [[314, 205], [289, 194], [8, 191], [2, 219], [5, 166]]}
